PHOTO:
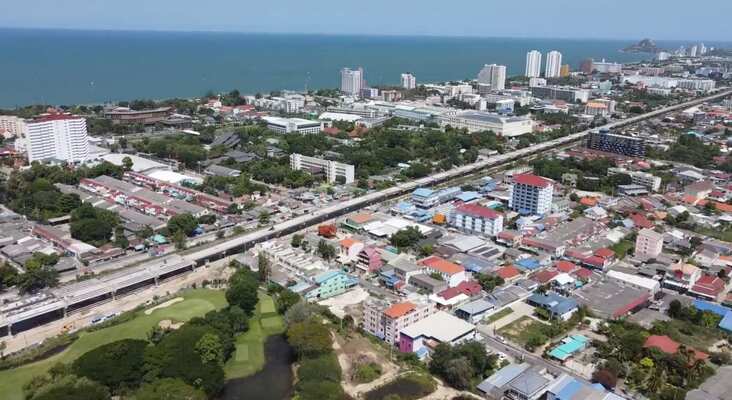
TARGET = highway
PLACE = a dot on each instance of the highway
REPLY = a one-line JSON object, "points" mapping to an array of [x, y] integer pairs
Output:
{"points": [[237, 244]]}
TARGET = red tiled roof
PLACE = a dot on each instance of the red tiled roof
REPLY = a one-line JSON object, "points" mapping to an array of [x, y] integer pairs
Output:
{"points": [[640, 221], [532, 180], [399, 309], [442, 265], [709, 285], [544, 276], [508, 272], [55, 117], [565, 266], [595, 261], [604, 253], [478, 211], [468, 288], [583, 273]]}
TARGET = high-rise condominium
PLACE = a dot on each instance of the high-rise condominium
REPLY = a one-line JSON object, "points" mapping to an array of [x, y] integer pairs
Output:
{"points": [[493, 76], [553, 64], [533, 64], [57, 136], [409, 81], [352, 81]]}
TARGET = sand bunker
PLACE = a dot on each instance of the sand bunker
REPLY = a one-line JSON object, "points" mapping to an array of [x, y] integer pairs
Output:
{"points": [[163, 305]]}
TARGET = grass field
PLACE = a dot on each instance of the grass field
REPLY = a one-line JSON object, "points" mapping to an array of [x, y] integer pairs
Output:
{"points": [[196, 303], [249, 357], [520, 330], [495, 317]]}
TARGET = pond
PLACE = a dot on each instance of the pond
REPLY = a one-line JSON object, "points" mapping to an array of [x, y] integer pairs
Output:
{"points": [[406, 387], [274, 382]]}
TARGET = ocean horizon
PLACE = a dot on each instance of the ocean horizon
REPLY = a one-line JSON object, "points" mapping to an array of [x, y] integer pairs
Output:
{"points": [[57, 66]]}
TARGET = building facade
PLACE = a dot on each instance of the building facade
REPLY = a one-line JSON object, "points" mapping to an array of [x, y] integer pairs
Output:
{"points": [[553, 64], [352, 81], [603, 140], [473, 218], [290, 125], [60, 137], [648, 244], [385, 320], [533, 64], [501, 125], [531, 194], [408, 81], [493, 75], [334, 171], [568, 94]]}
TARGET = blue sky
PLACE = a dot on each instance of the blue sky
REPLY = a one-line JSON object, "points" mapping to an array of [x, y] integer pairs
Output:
{"points": [[622, 19]]}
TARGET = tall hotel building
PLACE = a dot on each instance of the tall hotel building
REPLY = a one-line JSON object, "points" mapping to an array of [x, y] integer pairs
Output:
{"points": [[531, 194], [352, 81], [60, 137], [408, 81], [493, 76], [553, 64], [533, 64]]}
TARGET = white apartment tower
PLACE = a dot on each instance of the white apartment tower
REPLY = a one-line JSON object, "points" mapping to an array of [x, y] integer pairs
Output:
{"points": [[533, 64], [493, 76], [352, 81], [531, 194], [12, 125], [409, 81], [333, 170], [553, 64], [648, 244], [57, 136]]}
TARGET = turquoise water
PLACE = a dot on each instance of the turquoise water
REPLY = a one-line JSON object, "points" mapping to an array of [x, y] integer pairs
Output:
{"points": [[66, 67]]}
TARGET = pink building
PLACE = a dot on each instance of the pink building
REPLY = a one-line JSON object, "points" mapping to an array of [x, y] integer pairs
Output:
{"points": [[385, 320], [369, 260]]}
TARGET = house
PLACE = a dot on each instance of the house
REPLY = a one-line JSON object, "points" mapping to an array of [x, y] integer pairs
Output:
{"points": [[474, 311], [566, 266], [369, 259], [559, 307], [425, 198], [385, 320], [450, 272], [681, 276], [329, 284], [509, 238], [708, 287], [570, 346], [327, 231], [566, 387], [439, 327], [349, 249], [427, 283], [357, 222], [508, 273]]}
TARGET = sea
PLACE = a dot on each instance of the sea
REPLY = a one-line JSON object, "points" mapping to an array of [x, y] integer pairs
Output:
{"points": [[63, 67]]}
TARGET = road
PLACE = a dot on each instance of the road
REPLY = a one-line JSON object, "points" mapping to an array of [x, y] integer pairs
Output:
{"points": [[237, 244]]}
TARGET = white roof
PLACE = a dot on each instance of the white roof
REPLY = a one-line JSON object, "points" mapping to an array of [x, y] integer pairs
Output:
{"points": [[647, 283], [172, 177], [340, 117], [563, 279], [139, 164], [440, 326]]}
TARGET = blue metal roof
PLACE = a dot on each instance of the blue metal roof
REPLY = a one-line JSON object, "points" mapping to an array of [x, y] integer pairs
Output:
{"points": [[711, 307], [528, 263], [555, 303], [569, 390], [423, 192], [319, 279], [726, 322], [468, 196]]}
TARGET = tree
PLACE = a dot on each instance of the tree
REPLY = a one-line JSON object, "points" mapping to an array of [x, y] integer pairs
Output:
{"points": [[179, 239], [296, 240], [67, 387], [300, 312], [145, 232], [185, 223], [3, 346], [263, 218], [326, 250], [168, 389], [407, 237], [127, 163], [309, 338], [457, 373], [119, 237], [37, 277], [606, 378], [674, 309], [263, 267], [8, 276], [210, 349], [285, 300], [116, 365], [242, 290]]}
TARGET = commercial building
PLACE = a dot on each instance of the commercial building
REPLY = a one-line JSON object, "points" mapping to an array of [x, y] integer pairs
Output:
{"points": [[352, 81], [611, 299], [603, 140], [476, 121], [59, 137], [557, 306], [334, 171], [477, 219], [568, 94], [408, 81], [450, 272], [604, 67], [386, 321], [648, 244], [439, 327], [329, 284], [553, 64], [601, 107], [493, 76], [533, 64], [637, 281], [126, 115], [289, 125], [531, 194], [702, 85], [649, 181]]}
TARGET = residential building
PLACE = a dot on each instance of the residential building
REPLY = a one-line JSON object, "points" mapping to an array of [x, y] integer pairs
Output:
{"points": [[558, 307], [329, 284], [681, 276], [533, 64], [61, 137], [450, 272], [553, 64], [708, 287], [475, 311], [289, 125], [566, 387], [334, 171], [649, 181], [565, 93], [604, 67], [603, 140], [476, 121], [703, 85], [437, 328], [564, 71], [531, 194], [352, 81], [369, 260], [12, 126], [408, 81], [493, 76], [473, 218], [537, 82], [648, 244], [386, 321]]}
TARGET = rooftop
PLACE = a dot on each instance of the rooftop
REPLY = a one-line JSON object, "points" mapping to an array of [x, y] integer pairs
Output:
{"points": [[532, 180], [440, 326]]}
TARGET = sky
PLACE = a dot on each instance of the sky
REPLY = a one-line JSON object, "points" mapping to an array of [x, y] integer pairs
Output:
{"points": [[582, 19]]}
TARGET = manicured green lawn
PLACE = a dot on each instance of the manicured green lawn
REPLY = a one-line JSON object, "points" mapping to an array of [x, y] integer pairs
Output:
{"points": [[196, 303], [249, 357], [495, 317]]}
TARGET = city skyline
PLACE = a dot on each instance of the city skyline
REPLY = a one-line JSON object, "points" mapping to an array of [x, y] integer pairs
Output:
{"points": [[544, 21]]}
